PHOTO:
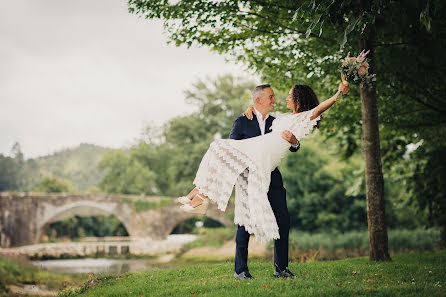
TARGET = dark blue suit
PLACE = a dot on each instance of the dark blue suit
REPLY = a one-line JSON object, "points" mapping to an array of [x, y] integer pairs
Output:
{"points": [[242, 129]]}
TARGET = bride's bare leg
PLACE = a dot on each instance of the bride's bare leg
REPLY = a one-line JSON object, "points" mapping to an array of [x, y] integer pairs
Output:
{"points": [[192, 193], [188, 197], [196, 201]]}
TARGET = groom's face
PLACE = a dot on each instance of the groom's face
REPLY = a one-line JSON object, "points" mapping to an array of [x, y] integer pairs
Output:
{"points": [[267, 99]]}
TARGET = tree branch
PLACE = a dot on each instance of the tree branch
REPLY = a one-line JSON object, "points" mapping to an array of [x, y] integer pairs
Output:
{"points": [[392, 44], [426, 124], [270, 4], [289, 28]]}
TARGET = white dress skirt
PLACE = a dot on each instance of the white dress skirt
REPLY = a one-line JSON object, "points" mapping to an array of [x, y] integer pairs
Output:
{"points": [[247, 165]]}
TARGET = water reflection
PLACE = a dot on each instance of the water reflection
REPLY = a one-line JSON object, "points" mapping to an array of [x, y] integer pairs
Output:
{"points": [[96, 266]]}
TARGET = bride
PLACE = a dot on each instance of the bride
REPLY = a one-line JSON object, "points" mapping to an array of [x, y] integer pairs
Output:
{"points": [[248, 163]]}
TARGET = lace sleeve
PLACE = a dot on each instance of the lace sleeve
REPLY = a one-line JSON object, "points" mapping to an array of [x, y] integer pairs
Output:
{"points": [[301, 125], [276, 114]]}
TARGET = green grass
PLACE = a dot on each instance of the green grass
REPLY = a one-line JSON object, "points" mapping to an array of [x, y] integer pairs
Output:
{"points": [[412, 274]]}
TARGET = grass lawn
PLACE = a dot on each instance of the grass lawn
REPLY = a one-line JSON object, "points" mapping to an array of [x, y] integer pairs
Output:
{"points": [[412, 274]]}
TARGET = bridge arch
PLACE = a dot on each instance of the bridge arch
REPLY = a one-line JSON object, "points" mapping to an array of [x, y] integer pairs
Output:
{"points": [[24, 216], [182, 219], [82, 208]]}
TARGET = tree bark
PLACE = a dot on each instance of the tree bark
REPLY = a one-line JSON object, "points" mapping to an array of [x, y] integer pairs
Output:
{"points": [[378, 240]]}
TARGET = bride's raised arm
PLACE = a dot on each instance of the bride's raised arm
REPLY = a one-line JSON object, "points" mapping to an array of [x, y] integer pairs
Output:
{"points": [[318, 110]]}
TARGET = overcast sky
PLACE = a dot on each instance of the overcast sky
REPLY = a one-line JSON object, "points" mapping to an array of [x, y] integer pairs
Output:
{"points": [[88, 71]]}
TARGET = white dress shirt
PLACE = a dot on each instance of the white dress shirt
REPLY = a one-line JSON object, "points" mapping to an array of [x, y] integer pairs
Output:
{"points": [[262, 122]]}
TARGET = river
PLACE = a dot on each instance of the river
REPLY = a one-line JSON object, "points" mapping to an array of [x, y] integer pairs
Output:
{"points": [[96, 266], [171, 244]]}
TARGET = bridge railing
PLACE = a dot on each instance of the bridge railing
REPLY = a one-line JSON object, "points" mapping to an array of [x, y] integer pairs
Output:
{"points": [[106, 239]]}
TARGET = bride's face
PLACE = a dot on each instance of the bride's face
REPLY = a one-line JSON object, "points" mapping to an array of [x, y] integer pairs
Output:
{"points": [[289, 100]]}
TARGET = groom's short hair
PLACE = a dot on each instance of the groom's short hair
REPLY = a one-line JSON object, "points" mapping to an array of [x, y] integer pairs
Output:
{"points": [[258, 90]]}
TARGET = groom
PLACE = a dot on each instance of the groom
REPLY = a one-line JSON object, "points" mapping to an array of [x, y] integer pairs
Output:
{"points": [[264, 100]]}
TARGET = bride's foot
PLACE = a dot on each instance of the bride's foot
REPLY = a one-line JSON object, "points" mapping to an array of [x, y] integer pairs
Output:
{"points": [[188, 197], [198, 205], [198, 199]]}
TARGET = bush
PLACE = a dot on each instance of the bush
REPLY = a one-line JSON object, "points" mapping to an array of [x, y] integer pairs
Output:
{"points": [[356, 243], [54, 185], [14, 270], [215, 237], [418, 239]]}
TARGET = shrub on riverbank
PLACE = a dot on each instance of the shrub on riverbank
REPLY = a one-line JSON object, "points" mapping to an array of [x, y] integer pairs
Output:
{"points": [[214, 237], [15, 271]]}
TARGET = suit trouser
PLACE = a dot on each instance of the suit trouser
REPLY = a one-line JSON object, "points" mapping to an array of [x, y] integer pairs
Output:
{"points": [[277, 199]]}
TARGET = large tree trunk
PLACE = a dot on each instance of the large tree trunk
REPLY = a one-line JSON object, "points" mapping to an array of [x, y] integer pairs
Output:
{"points": [[378, 246]]}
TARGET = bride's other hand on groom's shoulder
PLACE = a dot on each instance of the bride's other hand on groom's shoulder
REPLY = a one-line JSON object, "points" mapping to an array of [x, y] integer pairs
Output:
{"points": [[249, 112]]}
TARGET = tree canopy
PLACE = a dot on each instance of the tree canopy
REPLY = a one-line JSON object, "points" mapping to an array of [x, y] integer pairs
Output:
{"points": [[292, 42]]}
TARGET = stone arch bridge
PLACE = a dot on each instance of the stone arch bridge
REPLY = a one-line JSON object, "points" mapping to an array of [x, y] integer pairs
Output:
{"points": [[25, 216]]}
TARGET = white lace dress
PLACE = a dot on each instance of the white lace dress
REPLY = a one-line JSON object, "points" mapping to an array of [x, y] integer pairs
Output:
{"points": [[247, 164]]}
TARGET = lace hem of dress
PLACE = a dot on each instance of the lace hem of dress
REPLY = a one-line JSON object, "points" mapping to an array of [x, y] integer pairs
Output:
{"points": [[224, 166]]}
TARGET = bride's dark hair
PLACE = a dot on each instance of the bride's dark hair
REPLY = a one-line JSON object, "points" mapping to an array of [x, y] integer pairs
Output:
{"points": [[304, 99]]}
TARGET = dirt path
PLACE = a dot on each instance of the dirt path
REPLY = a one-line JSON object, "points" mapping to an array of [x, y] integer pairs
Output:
{"points": [[32, 290]]}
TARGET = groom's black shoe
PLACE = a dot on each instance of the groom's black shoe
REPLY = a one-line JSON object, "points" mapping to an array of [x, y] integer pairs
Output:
{"points": [[284, 273], [243, 275]]}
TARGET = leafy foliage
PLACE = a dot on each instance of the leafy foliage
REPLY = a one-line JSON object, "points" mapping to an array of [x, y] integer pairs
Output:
{"points": [[78, 165], [318, 185], [54, 185], [125, 174], [401, 239], [10, 172], [143, 205], [76, 227]]}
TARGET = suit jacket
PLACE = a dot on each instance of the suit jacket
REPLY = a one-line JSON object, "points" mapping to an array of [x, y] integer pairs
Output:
{"points": [[244, 128]]}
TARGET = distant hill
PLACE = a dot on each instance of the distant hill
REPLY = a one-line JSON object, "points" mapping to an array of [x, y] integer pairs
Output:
{"points": [[79, 165]]}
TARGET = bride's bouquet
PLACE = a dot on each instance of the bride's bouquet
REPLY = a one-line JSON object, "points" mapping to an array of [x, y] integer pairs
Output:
{"points": [[356, 70]]}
